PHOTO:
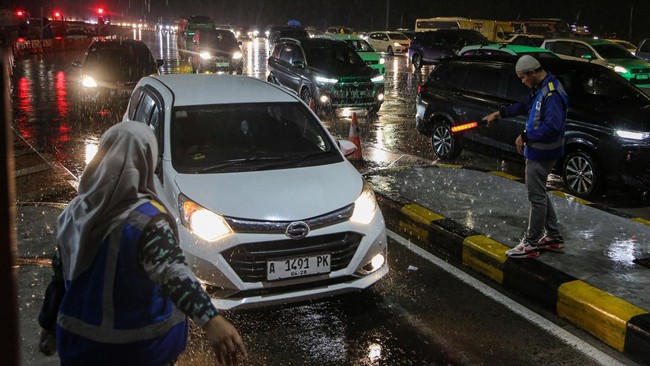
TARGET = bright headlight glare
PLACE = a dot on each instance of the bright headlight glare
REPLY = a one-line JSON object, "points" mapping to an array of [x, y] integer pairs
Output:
{"points": [[365, 206], [382, 61], [396, 44], [324, 80], [633, 135], [620, 69], [205, 55], [378, 79], [88, 82], [236, 56], [204, 223]]}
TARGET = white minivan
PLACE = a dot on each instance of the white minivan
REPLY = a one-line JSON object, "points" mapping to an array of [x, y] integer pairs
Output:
{"points": [[269, 209]]}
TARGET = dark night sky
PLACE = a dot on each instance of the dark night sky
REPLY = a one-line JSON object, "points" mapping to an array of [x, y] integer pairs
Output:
{"points": [[602, 16]]}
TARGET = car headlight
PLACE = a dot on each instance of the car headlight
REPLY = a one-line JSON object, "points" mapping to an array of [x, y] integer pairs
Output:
{"points": [[236, 56], [382, 61], [204, 223], [378, 79], [620, 69], [365, 206], [632, 135], [88, 82], [397, 44], [205, 55], [324, 80]]}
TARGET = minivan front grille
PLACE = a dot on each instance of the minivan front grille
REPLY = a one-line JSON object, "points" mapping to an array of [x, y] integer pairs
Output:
{"points": [[249, 260], [645, 70]]}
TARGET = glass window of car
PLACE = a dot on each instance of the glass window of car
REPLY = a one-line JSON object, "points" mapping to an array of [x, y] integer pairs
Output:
{"points": [[333, 57], [483, 80], [601, 89], [449, 74], [218, 39], [143, 113], [290, 53], [248, 137], [613, 51], [563, 48], [398, 36], [360, 45], [580, 50], [134, 101], [645, 46]]}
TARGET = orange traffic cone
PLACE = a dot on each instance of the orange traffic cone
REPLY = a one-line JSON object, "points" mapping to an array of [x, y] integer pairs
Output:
{"points": [[354, 137]]}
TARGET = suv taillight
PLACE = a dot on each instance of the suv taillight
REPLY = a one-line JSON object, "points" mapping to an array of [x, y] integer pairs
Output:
{"points": [[421, 88]]}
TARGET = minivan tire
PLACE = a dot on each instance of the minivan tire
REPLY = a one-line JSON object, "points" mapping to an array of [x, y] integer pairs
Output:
{"points": [[445, 144], [581, 174], [389, 50]]}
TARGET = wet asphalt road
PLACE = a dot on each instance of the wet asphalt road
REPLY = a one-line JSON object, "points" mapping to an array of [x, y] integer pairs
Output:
{"points": [[421, 316]]}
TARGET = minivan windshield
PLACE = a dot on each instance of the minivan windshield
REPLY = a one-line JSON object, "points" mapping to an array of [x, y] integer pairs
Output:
{"points": [[247, 137], [218, 39], [334, 58]]}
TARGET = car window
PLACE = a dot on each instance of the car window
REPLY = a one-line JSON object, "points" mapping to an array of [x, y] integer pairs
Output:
{"points": [[449, 74], [560, 47], [328, 58], [645, 46], [483, 80], [143, 113], [261, 135], [580, 50], [287, 53], [515, 89], [398, 36], [134, 101], [613, 51], [360, 45]]}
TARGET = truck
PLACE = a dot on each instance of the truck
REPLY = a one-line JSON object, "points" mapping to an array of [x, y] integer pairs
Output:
{"points": [[493, 30]]}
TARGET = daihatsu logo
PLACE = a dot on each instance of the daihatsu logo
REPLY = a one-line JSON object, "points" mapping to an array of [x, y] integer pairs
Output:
{"points": [[297, 230]]}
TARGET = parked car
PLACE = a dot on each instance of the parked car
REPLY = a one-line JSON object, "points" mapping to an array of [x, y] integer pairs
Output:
{"points": [[506, 49], [602, 52], [339, 30], [607, 141], [364, 49], [327, 73], [269, 209], [389, 42], [429, 47], [113, 67], [216, 50], [626, 44], [643, 50]]}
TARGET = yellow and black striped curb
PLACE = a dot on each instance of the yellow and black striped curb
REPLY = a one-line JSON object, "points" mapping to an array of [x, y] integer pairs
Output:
{"points": [[621, 325]]}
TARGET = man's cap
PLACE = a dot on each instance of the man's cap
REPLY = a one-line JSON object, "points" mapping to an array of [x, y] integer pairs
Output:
{"points": [[526, 63]]}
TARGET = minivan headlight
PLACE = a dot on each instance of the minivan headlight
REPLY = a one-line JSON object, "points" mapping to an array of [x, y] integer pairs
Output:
{"points": [[205, 55], [364, 206], [620, 69], [632, 135], [236, 55], [324, 80], [204, 223], [88, 82]]}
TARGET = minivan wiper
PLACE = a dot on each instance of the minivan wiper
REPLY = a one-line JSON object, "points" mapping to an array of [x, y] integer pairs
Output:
{"points": [[240, 162]]}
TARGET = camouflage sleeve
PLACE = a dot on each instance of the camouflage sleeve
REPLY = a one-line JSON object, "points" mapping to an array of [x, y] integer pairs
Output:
{"points": [[162, 259]]}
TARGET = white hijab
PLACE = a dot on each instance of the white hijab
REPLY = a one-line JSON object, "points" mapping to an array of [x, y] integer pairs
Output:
{"points": [[118, 179]]}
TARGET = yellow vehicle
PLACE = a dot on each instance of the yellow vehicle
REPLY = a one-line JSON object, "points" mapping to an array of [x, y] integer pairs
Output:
{"points": [[493, 30]]}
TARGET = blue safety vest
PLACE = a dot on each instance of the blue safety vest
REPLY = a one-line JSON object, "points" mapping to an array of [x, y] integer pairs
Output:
{"points": [[554, 148], [113, 314]]}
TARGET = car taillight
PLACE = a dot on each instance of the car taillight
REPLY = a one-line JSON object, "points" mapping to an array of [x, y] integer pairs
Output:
{"points": [[421, 88]]}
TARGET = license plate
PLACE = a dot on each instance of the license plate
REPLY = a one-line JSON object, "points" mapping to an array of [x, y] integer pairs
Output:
{"points": [[223, 64], [297, 267], [642, 77]]}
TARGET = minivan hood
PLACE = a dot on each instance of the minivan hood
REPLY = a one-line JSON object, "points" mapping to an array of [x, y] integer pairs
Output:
{"points": [[632, 119], [634, 63], [279, 195], [363, 71]]}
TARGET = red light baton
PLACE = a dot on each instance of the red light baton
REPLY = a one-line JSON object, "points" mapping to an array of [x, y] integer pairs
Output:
{"points": [[467, 126]]}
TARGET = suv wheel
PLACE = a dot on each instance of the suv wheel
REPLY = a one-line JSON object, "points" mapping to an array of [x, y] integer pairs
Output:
{"points": [[389, 50], [445, 144], [305, 95], [581, 174], [417, 60]]}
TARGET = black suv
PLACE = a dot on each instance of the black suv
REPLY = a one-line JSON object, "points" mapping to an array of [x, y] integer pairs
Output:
{"points": [[326, 72], [216, 50], [607, 139], [428, 48]]}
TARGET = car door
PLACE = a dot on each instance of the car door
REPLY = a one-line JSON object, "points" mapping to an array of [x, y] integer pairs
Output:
{"points": [[294, 60]]}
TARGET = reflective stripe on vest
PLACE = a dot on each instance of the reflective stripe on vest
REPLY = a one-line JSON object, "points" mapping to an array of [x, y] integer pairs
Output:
{"points": [[106, 332]]}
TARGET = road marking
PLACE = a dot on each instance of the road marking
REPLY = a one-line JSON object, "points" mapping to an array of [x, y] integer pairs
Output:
{"points": [[548, 326]]}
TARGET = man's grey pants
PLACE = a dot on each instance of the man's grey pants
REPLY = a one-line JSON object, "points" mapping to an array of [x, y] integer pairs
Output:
{"points": [[542, 214]]}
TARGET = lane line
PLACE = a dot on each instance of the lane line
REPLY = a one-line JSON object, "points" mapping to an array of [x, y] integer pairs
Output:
{"points": [[548, 326]]}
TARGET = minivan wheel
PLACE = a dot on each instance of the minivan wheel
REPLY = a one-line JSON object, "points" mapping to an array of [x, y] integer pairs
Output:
{"points": [[445, 144], [305, 95], [581, 174], [389, 50], [417, 60]]}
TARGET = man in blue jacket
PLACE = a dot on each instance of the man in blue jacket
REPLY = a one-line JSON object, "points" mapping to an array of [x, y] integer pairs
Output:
{"points": [[542, 143]]}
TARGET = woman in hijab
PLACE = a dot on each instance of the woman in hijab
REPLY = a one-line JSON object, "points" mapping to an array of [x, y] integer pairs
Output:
{"points": [[122, 291]]}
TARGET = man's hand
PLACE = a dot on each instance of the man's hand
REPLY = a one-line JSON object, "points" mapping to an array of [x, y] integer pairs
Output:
{"points": [[225, 341], [519, 143], [47, 343], [491, 118]]}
